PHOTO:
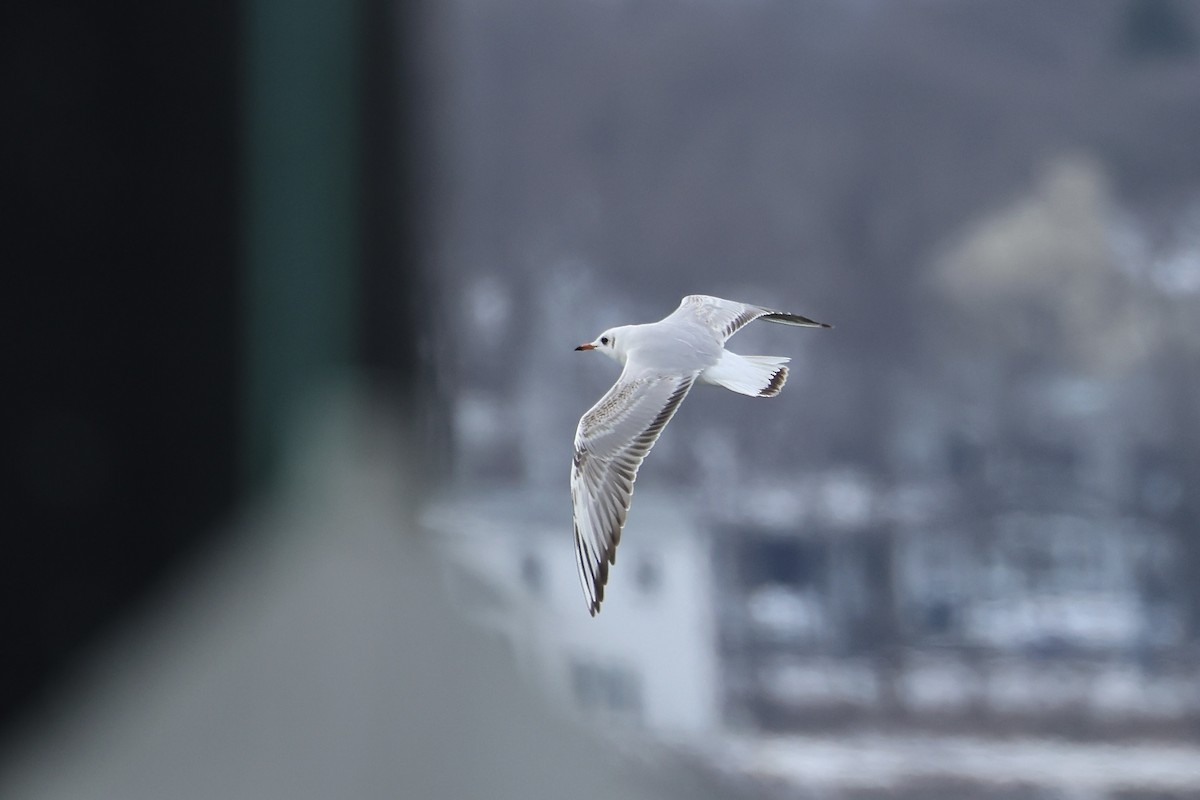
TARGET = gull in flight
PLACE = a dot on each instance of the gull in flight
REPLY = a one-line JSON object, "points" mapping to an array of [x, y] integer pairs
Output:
{"points": [[661, 361]]}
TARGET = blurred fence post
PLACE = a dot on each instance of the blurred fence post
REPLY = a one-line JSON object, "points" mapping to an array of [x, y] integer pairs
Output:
{"points": [[302, 172]]}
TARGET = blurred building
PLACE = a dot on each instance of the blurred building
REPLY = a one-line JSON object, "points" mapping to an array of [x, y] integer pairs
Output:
{"points": [[649, 659]]}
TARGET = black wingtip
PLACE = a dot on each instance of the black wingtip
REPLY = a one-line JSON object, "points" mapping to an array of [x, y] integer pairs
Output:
{"points": [[795, 319]]}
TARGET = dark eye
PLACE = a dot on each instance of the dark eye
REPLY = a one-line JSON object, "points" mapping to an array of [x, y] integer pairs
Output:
{"points": [[603, 340]]}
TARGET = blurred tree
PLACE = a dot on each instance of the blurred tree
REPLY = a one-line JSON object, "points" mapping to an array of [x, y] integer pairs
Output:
{"points": [[1038, 283], [1156, 29]]}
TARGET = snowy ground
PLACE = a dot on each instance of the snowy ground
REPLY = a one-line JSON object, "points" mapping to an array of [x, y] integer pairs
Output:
{"points": [[831, 766]]}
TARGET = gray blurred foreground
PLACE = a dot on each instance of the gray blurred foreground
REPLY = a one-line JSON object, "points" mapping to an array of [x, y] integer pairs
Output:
{"points": [[314, 655]]}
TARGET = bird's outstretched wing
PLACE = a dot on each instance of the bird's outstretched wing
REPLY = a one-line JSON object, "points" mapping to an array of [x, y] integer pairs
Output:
{"points": [[727, 317], [610, 443]]}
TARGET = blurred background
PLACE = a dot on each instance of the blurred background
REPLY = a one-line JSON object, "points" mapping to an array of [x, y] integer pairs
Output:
{"points": [[293, 388]]}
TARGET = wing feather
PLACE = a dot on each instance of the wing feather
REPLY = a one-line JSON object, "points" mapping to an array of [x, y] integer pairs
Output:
{"points": [[612, 440], [727, 317]]}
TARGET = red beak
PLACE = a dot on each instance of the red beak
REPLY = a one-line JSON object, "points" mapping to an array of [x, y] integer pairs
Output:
{"points": [[586, 347]]}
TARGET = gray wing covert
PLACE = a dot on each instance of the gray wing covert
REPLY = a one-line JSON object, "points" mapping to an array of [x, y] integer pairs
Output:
{"points": [[727, 317]]}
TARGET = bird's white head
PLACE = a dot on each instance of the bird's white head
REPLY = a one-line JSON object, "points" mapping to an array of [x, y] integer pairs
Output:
{"points": [[611, 343]]}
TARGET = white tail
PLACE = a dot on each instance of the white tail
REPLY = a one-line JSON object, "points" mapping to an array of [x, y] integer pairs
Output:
{"points": [[757, 376]]}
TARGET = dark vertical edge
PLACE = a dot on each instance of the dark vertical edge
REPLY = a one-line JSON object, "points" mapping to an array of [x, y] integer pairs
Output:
{"points": [[119, 183], [397, 328], [301, 176]]}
